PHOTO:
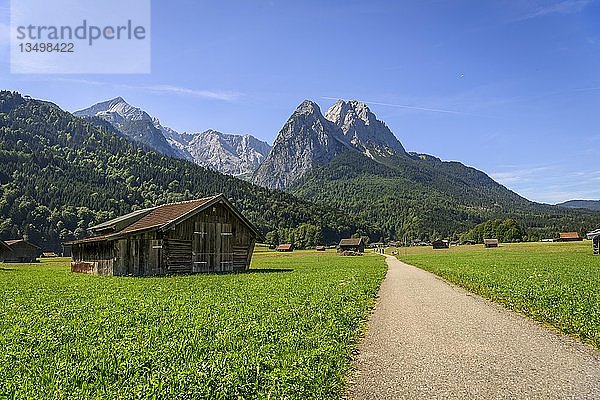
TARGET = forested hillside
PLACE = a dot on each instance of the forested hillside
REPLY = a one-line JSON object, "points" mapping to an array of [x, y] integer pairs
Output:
{"points": [[60, 174], [421, 197]]}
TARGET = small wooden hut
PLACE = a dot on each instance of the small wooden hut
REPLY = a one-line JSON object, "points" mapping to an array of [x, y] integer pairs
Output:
{"points": [[569, 237], [320, 248], [440, 244], [21, 251], [204, 235], [285, 247], [490, 243], [4, 248], [594, 236], [356, 245]]}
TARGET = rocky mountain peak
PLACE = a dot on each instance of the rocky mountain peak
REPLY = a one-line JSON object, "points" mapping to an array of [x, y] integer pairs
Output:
{"points": [[362, 128]]}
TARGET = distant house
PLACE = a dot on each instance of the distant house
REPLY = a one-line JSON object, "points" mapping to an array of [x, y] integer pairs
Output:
{"points": [[490, 242], [594, 236], [321, 248], [440, 244], [353, 244], [204, 235], [49, 254], [569, 237], [285, 247], [21, 251]]}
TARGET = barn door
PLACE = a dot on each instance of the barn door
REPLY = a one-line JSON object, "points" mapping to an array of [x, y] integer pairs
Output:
{"points": [[200, 255], [226, 251]]}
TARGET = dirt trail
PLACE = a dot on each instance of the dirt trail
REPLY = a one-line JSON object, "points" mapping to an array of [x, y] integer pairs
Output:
{"points": [[429, 339]]}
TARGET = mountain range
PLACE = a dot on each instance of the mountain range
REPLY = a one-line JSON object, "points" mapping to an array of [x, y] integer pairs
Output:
{"points": [[226, 153], [326, 176], [585, 204]]}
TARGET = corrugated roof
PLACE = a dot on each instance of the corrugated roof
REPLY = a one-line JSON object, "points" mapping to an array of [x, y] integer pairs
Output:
{"points": [[351, 242], [591, 235]]}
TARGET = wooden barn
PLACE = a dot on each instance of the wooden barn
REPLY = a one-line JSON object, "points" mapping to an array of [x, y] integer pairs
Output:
{"points": [[21, 251], [353, 244], [285, 247], [569, 237], [594, 236], [440, 244], [204, 235], [490, 243], [4, 249]]}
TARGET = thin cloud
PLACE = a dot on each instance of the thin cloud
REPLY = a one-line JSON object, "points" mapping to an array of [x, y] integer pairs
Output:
{"points": [[178, 90], [162, 89], [562, 7], [409, 107]]}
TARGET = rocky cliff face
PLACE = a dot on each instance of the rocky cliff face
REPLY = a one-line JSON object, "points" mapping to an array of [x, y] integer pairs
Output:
{"points": [[226, 153], [307, 139], [132, 122], [362, 129]]}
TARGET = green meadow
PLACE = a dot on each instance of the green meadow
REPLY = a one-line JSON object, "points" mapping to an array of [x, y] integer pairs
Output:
{"points": [[286, 329], [555, 283]]}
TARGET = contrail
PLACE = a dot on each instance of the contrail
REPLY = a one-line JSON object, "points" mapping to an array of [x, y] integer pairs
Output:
{"points": [[439, 110]]}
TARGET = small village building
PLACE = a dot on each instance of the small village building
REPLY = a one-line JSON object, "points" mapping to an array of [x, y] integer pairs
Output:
{"points": [[21, 251], [285, 247], [440, 244], [594, 236], [204, 235], [356, 245], [490, 243], [4, 248], [569, 237], [320, 248], [49, 254]]}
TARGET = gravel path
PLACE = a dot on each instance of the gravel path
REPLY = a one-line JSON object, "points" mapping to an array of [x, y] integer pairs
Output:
{"points": [[429, 339]]}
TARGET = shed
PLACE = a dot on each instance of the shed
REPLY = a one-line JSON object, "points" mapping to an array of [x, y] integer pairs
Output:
{"points": [[21, 251], [569, 237], [285, 247], [490, 242], [203, 235], [4, 248], [352, 244], [594, 236], [320, 248], [440, 244]]}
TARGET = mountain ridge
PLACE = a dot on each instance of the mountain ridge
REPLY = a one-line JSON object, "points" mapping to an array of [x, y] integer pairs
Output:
{"points": [[226, 153]]}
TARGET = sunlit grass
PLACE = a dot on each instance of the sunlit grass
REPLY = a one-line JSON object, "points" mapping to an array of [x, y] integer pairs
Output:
{"points": [[556, 283], [284, 331]]}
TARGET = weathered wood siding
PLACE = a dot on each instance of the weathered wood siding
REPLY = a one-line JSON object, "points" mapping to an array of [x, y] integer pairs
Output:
{"points": [[21, 253], [214, 240], [218, 239]]}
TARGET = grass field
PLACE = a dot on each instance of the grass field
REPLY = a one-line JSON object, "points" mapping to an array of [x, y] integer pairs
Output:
{"points": [[284, 330], [556, 283]]}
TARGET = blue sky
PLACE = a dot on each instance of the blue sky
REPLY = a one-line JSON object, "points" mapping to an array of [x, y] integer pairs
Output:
{"points": [[509, 87]]}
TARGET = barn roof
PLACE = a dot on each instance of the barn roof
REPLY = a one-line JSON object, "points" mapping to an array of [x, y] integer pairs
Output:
{"points": [[4, 246], [569, 235], [284, 246], [591, 235], [11, 243], [351, 242], [163, 217]]}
